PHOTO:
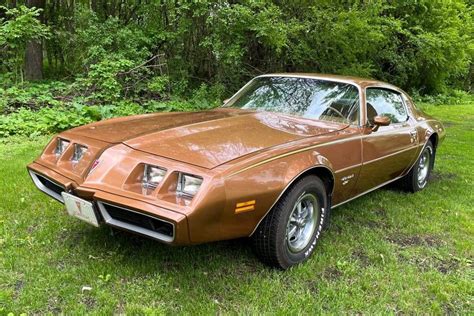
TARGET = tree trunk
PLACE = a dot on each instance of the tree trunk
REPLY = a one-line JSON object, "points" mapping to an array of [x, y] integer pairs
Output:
{"points": [[34, 61], [34, 50]]}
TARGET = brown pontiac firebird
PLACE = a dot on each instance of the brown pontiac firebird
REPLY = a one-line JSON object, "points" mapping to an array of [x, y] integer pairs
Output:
{"points": [[269, 164]]}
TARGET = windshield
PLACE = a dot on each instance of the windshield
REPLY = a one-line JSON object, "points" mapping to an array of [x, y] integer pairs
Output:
{"points": [[306, 97]]}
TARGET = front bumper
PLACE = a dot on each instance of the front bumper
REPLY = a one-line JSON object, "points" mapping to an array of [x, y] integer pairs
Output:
{"points": [[118, 211]]}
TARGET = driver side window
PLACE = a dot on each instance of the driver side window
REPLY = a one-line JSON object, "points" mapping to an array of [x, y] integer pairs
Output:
{"points": [[384, 102]]}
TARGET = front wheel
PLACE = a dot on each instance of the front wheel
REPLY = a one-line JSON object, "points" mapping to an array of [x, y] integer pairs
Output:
{"points": [[288, 234], [418, 177]]}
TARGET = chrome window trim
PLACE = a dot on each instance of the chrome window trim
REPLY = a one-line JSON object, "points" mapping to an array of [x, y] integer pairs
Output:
{"points": [[134, 228], [34, 176]]}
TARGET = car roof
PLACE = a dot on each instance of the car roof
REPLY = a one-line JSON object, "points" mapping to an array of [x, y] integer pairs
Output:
{"points": [[362, 82]]}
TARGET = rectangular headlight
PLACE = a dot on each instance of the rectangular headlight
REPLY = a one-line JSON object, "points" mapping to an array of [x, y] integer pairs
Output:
{"points": [[188, 184], [152, 176], [79, 152], [61, 145]]}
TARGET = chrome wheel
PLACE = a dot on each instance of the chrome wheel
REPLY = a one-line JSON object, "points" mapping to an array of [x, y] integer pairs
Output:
{"points": [[424, 167], [302, 222]]}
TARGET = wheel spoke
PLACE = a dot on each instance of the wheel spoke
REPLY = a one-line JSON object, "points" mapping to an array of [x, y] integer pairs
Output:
{"points": [[298, 208], [291, 232], [304, 213]]}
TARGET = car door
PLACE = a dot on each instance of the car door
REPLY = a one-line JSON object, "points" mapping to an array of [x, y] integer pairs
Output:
{"points": [[387, 150]]}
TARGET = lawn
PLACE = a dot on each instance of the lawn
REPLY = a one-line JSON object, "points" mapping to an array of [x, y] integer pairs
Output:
{"points": [[387, 252]]}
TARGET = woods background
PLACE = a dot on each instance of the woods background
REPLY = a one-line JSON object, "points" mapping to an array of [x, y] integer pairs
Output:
{"points": [[151, 55]]}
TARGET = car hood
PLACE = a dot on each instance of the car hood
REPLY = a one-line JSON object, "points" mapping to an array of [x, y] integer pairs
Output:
{"points": [[206, 139]]}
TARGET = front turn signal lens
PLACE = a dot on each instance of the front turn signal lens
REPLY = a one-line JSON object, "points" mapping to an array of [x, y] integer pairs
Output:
{"points": [[152, 176], [61, 145], [188, 184]]}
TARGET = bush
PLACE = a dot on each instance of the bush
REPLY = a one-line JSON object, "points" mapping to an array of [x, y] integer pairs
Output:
{"points": [[453, 97], [24, 115]]}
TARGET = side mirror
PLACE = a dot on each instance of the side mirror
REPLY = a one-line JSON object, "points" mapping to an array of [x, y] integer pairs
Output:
{"points": [[380, 121]]}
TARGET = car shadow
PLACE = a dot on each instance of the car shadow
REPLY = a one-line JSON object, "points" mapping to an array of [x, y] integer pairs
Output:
{"points": [[145, 255]]}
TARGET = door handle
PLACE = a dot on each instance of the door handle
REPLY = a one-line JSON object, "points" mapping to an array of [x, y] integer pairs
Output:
{"points": [[414, 135]]}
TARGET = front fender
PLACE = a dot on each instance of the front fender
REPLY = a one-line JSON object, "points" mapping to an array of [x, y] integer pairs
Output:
{"points": [[261, 186]]}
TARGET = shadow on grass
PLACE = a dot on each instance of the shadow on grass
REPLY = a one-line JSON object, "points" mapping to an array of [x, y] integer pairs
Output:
{"points": [[145, 255]]}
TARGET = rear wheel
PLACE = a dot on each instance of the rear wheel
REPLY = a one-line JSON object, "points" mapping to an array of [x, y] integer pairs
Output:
{"points": [[288, 234], [418, 177]]}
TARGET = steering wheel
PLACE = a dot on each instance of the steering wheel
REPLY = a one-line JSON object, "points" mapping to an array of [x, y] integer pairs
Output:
{"points": [[336, 111]]}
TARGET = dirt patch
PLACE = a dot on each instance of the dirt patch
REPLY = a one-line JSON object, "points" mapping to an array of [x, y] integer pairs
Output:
{"points": [[245, 269], [89, 302], [53, 305], [381, 213], [312, 286], [442, 176], [415, 240], [375, 224], [331, 274], [424, 264], [361, 257], [31, 229], [446, 266], [18, 288]]}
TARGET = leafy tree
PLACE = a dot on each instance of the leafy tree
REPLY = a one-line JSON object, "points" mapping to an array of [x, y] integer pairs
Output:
{"points": [[21, 27]]}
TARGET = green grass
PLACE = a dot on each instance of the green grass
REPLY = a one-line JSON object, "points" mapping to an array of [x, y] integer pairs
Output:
{"points": [[387, 252]]}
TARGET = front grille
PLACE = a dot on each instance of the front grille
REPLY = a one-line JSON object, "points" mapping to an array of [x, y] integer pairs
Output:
{"points": [[137, 222], [50, 184]]}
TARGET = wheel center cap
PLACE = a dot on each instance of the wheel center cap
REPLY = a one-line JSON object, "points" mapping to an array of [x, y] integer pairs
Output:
{"points": [[300, 222]]}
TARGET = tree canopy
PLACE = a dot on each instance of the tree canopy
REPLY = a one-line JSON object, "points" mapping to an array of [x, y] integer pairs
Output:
{"points": [[113, 49]]}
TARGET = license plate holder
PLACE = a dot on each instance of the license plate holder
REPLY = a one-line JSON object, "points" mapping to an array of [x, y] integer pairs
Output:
{"points": [[80, 208]]}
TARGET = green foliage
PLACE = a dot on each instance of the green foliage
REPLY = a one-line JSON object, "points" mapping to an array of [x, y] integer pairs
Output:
{"points": [[453, 97], [158, 84], [46, 120], [42, 109], [424, 45], [103, 79], [126, 59], [31, 95], [22, 25], [420, 45]]}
